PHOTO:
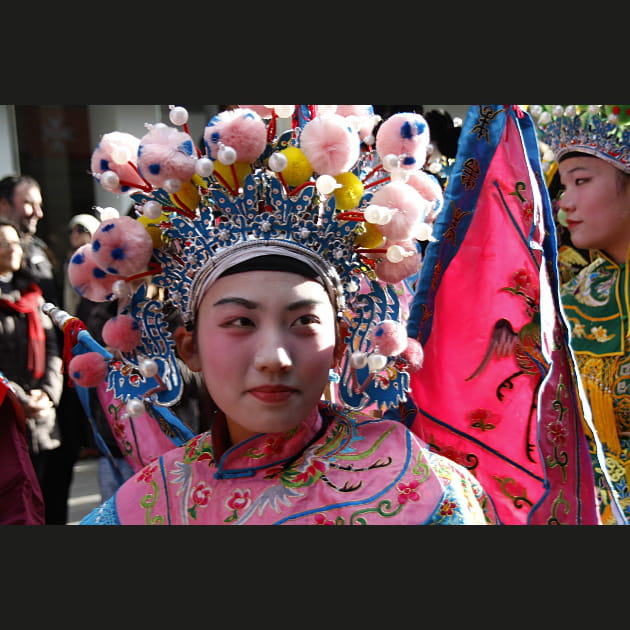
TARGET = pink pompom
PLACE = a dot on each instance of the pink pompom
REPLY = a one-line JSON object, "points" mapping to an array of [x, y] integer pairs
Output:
{"points": [[88, 370], [87, 278], [242, 129], [413, 354], [330, 144], [363, 116], [393, 272], [262, 110], [118, 145], [410, 208], [427, 185], [405, 135], [390, 337], [166, 153], [122, 246], [122, 332]]}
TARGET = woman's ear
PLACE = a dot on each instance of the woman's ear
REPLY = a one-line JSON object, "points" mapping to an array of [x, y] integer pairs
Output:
{"points": [[185, 343]]}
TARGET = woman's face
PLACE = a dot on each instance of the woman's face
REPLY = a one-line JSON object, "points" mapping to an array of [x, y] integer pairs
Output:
{"points": [[597, 205], [265, 341], [10, 249], [79, 235]]}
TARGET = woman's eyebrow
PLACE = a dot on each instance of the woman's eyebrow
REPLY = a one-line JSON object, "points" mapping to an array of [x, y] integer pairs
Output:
{"points": [[236, 300], [294, 306], [302, 304]]}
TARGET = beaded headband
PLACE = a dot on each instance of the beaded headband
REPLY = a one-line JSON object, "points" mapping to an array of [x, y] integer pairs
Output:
{"points": [[352, 203], [599, 130]]}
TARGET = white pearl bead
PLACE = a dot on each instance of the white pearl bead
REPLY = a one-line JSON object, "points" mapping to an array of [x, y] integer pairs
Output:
{"points": [[535, 110], [351, 286], [226, 155], [278, 162], [395, 253], [204, 167], [284, 111], [390, 162], [178, 115], [323, 110], [358, 360], [424, 231], [121, 155], [152, 210], [108, 213], [135, 407], [148, 368], [172, 185], [109, 180], [121, 289], [376, 362], [325, 184]]}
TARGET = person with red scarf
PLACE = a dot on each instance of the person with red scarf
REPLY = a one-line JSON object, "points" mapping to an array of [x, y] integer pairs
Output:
{"points": [[29, 353]]}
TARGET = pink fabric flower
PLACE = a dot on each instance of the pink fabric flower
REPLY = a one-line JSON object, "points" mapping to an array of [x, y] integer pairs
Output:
{"points": [[407, 492]]}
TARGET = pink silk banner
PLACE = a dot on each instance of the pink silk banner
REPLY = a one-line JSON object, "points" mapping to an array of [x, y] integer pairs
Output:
{"points": [[497, 392]]}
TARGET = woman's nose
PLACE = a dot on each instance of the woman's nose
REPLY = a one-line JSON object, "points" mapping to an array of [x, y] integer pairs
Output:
{"points": [[566, 201], [272, 355]]}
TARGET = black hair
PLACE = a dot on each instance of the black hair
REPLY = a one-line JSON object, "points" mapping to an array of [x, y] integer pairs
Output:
{"points": [[8, 184], [444, 134], [274, 262]]}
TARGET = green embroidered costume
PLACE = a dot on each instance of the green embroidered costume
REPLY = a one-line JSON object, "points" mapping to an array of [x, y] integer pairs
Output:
{"points": [[596, 306]]}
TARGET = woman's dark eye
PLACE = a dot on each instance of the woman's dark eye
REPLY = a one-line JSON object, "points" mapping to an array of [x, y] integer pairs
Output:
{"points": [[305, 320]]}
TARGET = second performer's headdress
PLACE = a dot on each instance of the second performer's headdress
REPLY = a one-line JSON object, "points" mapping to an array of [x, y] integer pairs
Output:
{"points": [[599, 130]]}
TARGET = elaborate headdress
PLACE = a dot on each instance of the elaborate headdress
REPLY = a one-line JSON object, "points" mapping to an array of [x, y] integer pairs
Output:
{"points": [[329, 191], [599, 130]]}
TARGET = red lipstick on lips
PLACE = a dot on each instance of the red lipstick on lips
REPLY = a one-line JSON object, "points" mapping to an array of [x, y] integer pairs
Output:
{"points": [[272, 393]]}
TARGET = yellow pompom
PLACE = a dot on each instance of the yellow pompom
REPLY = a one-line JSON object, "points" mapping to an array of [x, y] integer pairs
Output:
{"points": [[243, 169], [349, 195], [152, 228], [188, 195], [298, 168], [370, 236]]}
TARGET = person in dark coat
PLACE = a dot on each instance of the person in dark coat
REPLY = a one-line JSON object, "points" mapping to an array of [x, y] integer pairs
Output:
{"points": [[21, 501], [29, 353]]}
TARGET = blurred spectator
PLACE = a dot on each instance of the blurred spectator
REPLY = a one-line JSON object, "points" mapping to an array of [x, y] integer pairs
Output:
{"points": [[29, 353]]}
